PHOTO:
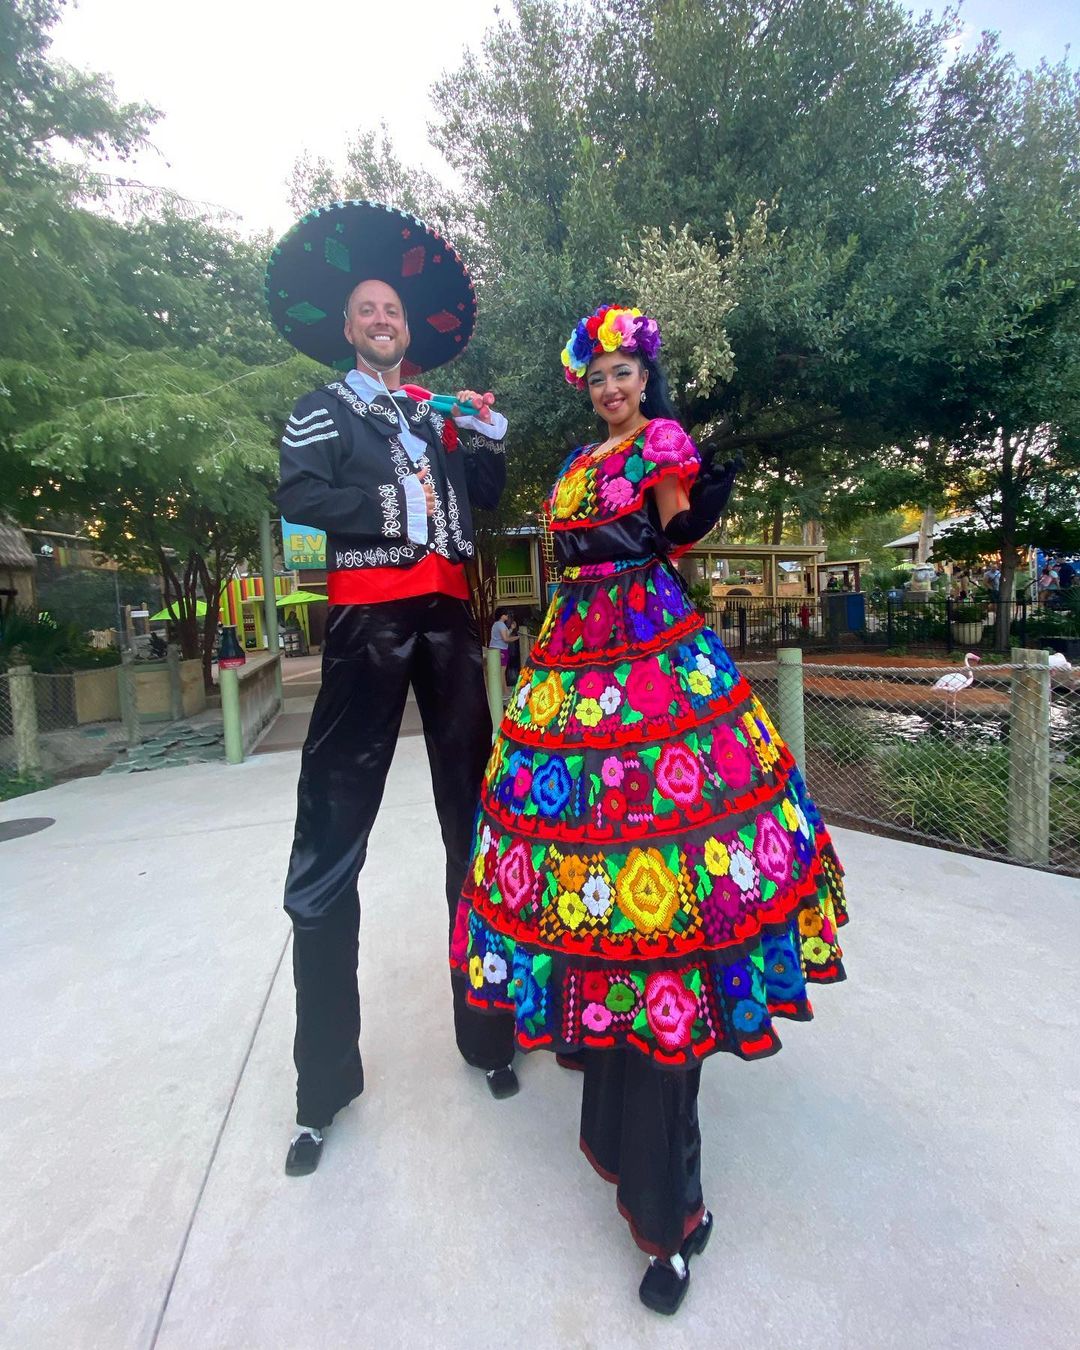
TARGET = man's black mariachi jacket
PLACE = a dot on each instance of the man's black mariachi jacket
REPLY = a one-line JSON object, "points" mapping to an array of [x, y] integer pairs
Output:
{"points": [[343, 470]]}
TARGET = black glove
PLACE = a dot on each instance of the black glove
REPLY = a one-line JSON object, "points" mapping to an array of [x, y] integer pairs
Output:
{"points": [[708, 497]]}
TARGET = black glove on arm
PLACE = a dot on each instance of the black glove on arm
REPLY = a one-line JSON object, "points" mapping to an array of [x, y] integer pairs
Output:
{"points": [[708, 497]]}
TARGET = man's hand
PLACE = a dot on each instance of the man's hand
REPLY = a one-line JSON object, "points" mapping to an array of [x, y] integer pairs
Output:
{"points": [[482, 402], [424, 479]]}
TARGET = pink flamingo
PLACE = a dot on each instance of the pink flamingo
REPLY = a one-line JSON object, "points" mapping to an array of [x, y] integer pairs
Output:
{"points": [[957, 680]]}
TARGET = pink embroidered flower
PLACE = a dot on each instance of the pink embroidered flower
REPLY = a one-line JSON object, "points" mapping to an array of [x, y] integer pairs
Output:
{"points": [[459, 942], [732, 759], [522, 783], [721, 909], [667, 443], [596, 1017], [616, 493], [772, 849], [648, 689], [599, 620], [591, 685], [611, 771], [516, 875], [612, 466], [678, 775], [670, 1008]]}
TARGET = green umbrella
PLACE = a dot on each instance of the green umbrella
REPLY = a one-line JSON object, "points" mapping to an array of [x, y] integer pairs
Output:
{"points": [[171, 612], [299, 598]]}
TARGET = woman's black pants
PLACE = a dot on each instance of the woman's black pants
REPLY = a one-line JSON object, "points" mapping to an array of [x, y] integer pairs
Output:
{"points": [[372, 654], [639, 1129]]}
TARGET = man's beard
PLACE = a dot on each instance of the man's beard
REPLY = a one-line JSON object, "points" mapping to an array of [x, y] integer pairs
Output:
{"points": [[379, 358]]}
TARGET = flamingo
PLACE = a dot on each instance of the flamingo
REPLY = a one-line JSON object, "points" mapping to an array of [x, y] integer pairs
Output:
{"points": [[957, 680], [1058, 662]]}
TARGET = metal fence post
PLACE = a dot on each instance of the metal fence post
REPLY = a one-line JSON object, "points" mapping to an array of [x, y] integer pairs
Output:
{"points": [[789, 702], [948, 623], [270, 612], [890, 631], [129, 709], [24, 720], [1029, 757], [176, 688], [229, 688]]}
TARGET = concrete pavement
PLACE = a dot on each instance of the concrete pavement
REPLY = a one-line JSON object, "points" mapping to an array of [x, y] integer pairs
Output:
{"points": [[904, 1174]]}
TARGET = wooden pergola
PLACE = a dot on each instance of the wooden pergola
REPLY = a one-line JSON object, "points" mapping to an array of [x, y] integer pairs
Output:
{"points": [[787, 571]]}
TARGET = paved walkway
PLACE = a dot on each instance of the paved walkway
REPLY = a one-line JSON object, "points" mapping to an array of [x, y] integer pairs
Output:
{"points": [[905, 1174]]}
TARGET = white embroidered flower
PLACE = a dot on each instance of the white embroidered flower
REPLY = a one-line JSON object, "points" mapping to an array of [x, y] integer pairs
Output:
{"points": [[610, 699], [494, 968], [804, 824], [705, 665], [485, 839], [741, 869], [523, 695], [596, 896]]}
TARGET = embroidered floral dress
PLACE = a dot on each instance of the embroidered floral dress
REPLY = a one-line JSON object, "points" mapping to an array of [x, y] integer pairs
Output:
{"points": [[648, 869]]}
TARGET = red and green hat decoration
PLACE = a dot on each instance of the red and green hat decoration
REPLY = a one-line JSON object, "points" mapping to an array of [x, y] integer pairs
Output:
{"points": [[314, 267]]}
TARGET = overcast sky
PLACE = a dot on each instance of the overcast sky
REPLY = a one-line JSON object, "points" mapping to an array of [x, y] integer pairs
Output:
{"points": [[245, 88]]}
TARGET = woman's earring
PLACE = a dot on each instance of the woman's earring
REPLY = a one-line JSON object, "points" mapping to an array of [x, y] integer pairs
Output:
{"points": [[642, 398]]}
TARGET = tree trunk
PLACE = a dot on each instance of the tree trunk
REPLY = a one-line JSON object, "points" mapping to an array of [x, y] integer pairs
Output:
{"points": [[925, 547], [1010, 555]]}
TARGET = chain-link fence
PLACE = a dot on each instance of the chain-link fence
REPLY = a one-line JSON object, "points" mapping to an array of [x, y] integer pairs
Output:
{"points": [[54, 727], [984, 758]]}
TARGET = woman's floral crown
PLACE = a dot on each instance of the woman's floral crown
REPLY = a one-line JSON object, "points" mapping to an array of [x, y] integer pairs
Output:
{"points": [[608, 329]]}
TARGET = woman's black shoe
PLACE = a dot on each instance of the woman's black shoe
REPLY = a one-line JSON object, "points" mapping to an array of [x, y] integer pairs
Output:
{"points": [[502, 1082], [304, 1153], [666, 1282]]}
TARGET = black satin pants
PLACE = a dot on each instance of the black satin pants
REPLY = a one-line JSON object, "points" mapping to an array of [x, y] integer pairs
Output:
{"points": [[371, 655], [639, 1129]]}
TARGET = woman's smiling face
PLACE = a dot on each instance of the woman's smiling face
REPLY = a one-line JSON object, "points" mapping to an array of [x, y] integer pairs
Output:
{"points": [[616, 382]]}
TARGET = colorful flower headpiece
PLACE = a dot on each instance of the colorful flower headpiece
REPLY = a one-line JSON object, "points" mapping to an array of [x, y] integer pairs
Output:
{"points": [[610, 328]]}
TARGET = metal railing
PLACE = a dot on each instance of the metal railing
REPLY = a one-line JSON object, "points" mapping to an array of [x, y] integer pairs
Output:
{"points": [[900, 623], [988, 764]]}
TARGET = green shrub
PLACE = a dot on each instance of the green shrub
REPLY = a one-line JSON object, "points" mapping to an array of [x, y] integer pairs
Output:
{"points": [[48, 647]]}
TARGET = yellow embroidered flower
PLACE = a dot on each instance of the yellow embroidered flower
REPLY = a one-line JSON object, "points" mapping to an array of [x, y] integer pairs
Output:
{"points": [[717, 858], [571, 909], [791, 819], [699, 682], [589, 712], [569, 493], [478, 869], [810, 922], [647, 890], [476, 972], [572, 872], [546, 700]]}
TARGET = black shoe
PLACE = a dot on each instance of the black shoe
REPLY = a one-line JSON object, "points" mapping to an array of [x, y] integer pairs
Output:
{"points": [[666, 1282], [502, 1082], [304, 1153]]}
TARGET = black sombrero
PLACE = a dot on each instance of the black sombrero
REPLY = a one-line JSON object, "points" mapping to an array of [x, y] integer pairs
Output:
{"points": [[314, 267]]}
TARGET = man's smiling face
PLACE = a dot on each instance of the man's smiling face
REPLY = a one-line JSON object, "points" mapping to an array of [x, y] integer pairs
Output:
{"points": [[376, 325]]}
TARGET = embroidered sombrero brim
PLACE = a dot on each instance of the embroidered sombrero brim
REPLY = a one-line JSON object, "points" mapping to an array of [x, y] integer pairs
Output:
{"points": [[313, 268]]}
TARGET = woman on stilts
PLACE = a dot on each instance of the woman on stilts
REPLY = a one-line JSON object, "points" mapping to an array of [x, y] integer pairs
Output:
{"points": [[650, 883]]}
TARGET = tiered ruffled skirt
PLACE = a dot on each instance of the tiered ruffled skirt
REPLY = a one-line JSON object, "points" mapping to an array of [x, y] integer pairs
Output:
{"points": [[648, 870]]}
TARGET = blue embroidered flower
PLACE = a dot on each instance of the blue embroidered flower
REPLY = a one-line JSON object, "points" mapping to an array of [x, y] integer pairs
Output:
{"points": [[737, 980], [644, 630], [783, 973], [527, 994], [551, 787], [747, 1015], [668, 591]]}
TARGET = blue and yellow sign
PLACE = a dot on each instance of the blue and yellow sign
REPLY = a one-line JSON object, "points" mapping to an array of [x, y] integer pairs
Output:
{"points": [[303, 546]]}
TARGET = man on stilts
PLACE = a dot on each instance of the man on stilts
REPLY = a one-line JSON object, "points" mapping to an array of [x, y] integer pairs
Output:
{"points": [[392, 482]]}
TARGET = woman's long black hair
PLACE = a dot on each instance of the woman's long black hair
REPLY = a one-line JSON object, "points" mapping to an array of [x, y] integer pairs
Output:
{"points": [[657, 401]]}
